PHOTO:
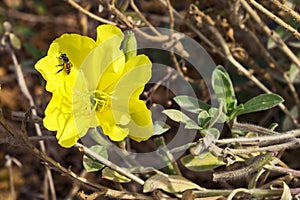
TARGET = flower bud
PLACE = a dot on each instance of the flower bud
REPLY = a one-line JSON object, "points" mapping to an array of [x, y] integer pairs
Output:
{"points": [[130, 46]]}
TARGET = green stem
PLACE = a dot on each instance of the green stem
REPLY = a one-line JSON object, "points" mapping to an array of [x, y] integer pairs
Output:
{"points": [[167, 157]]}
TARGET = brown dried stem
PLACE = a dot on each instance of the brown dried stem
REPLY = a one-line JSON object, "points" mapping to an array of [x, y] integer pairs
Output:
{"points": [[25, 91], [275, 18], [91, 15], [207, 21], [271, 34], [136, 9], [284, 7]]}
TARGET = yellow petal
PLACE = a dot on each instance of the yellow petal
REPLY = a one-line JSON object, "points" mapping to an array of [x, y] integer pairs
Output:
{"points": [[132, 82], [136, 61], [112, 74], [57, 112], [105, 63], [141, 125], [114, 132], [107, 31], [125, 98], [110, 127], [51, 117], [69, 136], [76, 47]]}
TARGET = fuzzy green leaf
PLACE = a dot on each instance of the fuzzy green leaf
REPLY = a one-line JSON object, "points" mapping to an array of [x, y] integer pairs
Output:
{"points": [[203, 162], [261, 102], [191, 104], [92, 165], [112, 175], [160, 127], [169, 183], [180, 117], [203, 119], [223, 88]]}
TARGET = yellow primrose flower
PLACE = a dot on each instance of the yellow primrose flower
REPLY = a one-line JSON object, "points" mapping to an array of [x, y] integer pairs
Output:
{"points": [[93, 85], [113, 88]]}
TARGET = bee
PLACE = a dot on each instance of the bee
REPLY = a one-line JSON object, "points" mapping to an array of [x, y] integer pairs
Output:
{"points": [[66, 65]]}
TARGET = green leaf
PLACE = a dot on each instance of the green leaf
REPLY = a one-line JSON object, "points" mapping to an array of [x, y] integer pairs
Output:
{"points": [[112, 175], [203, 162], [273, 126], [191, 104], [237, 110], [160, 127], [254, 180], [294, 72], [203, 119], [15, 41], [179, 116], [223, 88], [214, 111], [169, 183], [92, 165], [261, 102], [211, 131]]}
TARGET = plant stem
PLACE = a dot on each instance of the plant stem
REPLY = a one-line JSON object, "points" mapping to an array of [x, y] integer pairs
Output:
{"points": [[109, 163]]}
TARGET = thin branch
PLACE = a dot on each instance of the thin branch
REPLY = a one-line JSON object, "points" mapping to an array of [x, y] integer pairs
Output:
{"points": [[172, 39], [271, 34], [284, 7], [254, 128], [283, 170], [258, 193], [120, 15], [91, 15], [275, 18], [21, 140], [75, 187], [237, 65], [109, 163], [136, 9], [171, 14], [39, 18], [25, 91], [290, 135], [8, 164], [274, 148]]}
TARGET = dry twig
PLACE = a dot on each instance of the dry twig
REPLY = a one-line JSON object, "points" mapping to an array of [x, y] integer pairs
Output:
{"points": [[275, 18]]}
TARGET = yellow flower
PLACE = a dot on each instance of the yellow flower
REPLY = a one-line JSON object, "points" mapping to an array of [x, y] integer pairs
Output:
{"points": [[100, 88]]}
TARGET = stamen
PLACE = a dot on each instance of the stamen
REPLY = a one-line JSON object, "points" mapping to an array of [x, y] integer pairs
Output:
{"points": [[99, 100]]}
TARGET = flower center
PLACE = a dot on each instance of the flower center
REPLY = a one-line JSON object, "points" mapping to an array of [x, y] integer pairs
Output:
{"points": [[99, 100]]}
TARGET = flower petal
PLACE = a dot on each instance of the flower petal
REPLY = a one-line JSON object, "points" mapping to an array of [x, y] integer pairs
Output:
{"points": [[103, 68], [110, 126], [69, 135], [132, 82], [107, 31], [57, 112], [76, 47], [141, 125], [125, 98]]}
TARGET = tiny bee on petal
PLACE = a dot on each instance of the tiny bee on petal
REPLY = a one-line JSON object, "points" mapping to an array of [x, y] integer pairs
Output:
{"points": [[66, 65]]}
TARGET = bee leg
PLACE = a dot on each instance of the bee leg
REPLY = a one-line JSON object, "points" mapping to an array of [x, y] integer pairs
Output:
{"points": [[59, 70]]}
